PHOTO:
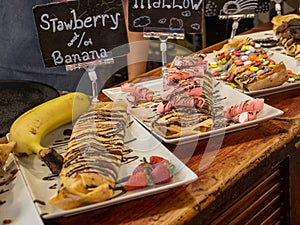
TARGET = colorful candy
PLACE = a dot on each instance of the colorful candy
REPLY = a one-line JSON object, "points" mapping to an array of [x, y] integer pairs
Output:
{"points": [[247, 60]]}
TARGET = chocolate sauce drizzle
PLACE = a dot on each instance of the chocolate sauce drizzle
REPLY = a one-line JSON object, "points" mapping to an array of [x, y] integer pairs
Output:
{"points": [[10, 178], [2, 202], [54, 186], [127, 160], [3, 191], [96, 144], [7, 221], [39, 202], [50, 177], [129, 141]]}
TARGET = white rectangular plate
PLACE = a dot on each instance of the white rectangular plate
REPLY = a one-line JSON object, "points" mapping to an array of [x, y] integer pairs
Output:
{"points": [[16, 203], [278, 54], [138, 139], [231, 95], [267, 34]]}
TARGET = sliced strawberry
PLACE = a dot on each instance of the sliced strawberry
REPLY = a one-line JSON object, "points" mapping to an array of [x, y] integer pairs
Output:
{"points": [[156, 159], [143, 167], [136, 181], [160, 174], [139, 168], [157, 171]]}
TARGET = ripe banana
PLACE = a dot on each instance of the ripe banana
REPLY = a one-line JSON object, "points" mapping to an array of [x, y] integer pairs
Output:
{"points": [[29, 129]]}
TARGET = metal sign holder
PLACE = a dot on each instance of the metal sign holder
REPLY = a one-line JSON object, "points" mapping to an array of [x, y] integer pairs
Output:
{"points": [[278, 6], [236, 19], [90, 68], [163, 34]]}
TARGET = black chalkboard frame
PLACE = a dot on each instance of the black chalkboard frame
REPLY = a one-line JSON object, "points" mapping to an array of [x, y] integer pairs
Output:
{"points": [[106, 34]]}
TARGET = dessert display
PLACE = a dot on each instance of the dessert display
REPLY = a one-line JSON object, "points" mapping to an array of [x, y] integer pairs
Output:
{"points": [[93, 156], [287, 30], [247, 66], [101, 152], [188, 102], [96, 165]]}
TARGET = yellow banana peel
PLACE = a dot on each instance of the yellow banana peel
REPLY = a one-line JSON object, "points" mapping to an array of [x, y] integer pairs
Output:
{"points": [[29, 129]]}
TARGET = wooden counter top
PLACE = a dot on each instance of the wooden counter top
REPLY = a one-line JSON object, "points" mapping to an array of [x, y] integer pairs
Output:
{"points": [[239, 154], [228, 167]]}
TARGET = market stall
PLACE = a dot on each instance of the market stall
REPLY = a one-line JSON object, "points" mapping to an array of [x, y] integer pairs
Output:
{"points": [[234, 173]]}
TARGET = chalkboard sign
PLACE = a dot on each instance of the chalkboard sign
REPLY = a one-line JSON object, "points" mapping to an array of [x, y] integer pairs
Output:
{"points": [[171, 14], [235, 7], [76, 32]]}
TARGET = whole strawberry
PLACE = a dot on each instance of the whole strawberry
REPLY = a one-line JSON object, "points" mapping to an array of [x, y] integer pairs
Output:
{"points": [[157, 171], [163, 170]]}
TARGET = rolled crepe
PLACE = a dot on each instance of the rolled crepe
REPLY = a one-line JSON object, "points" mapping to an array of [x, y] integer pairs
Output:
{"points": [[93, 156]]}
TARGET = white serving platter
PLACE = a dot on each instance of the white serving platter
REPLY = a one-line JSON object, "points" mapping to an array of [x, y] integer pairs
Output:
{"points": [[231, 97], [268, 34], [16, 203], [260, 35], [42, 186], [290, 64]]}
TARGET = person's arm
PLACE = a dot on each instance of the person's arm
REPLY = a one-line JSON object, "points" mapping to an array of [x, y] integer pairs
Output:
{"points": [[139, 46]]}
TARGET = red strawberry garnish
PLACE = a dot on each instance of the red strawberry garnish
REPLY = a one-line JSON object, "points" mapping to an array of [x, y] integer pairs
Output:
{"points": [[161, 174], [158, 171], [144, 167], [157, 159], [136, 181]]}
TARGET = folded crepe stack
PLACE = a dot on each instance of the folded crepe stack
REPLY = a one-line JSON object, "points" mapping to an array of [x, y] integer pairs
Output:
{"points": [[287, 30], [181, 123], [93, 156], [192, 111]]}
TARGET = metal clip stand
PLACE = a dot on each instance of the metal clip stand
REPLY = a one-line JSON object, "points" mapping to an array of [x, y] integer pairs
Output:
{"points": [[278, 6], [163, 34], [236, 20], [90, 68]]}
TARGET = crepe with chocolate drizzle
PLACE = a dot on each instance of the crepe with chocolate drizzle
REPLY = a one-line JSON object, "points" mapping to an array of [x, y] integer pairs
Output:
{"points": [[93, 156]]}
